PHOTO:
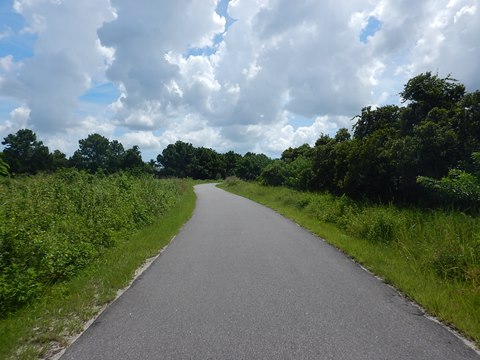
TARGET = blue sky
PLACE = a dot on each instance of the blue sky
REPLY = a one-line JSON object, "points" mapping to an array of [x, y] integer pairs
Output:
{"points": [[373, 25], [20, 46], [254, 77]]}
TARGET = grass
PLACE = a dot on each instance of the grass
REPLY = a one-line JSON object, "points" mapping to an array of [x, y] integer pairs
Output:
{"points": [[432, 257], [49, 323]]}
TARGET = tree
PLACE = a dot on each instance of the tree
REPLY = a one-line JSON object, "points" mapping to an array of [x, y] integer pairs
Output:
{"points": [[425, 92], [371, 120], [430, 91], [93, 154], [274, 174], [323, 164], [115, 156], [231, 159], [466, 120], [177, 160], [207, 164], [251, 165], [24, 154], [293, 153], [132, 159], [59, 160]]}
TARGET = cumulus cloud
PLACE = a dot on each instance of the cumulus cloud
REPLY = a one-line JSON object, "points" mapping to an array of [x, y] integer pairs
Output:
{"points": [[278, 57], [280, 60], [66, 59], [146, 140], [18, 119], [145, 39]]}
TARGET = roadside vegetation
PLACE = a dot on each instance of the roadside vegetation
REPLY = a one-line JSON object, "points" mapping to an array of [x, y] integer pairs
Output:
{"points": [[400, 193], [69, 241], [432, 256]]}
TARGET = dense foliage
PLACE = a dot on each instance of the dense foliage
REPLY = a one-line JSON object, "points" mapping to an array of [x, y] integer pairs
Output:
{"points": [[396, 153], [24, 154], [53, 225], [184, 160]]}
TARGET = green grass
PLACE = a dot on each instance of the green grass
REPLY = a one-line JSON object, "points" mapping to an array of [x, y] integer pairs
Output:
{"points": [[433, 257], [47, 324]]}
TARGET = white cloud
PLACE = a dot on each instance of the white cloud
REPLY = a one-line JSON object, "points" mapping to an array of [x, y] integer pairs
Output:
{"points": [[280, 60], [67, 142], [17, 119], [148, 42], [20, 115], [67, 57], [146, 140]]}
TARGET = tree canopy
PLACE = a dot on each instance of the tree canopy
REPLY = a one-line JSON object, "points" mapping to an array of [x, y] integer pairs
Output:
{"points": [[25, 154], [433, 136]]}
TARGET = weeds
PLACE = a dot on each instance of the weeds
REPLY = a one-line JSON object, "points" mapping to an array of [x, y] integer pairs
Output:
{"points": [[54, 225]]}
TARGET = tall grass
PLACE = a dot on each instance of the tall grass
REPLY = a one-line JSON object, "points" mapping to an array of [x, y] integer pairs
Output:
{"points": [[53, 225], [433, 256]]}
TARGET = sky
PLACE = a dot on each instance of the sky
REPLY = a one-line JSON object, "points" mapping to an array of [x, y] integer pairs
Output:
{"points": [[242, 75]]}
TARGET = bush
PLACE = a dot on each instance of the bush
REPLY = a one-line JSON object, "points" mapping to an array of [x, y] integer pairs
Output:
{"points": [[54, 225]]}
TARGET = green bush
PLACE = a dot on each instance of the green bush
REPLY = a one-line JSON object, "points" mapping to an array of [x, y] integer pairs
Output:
{"points": [[54, 225]]}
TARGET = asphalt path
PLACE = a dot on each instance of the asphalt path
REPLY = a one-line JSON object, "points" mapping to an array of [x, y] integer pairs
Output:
{"points": [[242, 282]]}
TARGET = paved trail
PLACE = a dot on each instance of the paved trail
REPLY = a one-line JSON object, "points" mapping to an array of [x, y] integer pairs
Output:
{"points": [[241, 282]]}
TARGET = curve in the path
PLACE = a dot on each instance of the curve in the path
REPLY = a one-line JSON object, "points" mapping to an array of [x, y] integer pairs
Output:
{"points": [[242, 282]]}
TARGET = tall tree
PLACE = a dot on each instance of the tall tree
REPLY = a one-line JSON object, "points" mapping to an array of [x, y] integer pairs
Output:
{"points": [[177, 159], [207, 164], [93, 153], [132, 159], [115, 156], [25, 154]]}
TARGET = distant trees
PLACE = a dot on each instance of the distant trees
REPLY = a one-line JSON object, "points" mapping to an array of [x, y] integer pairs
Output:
{"points": [[24, 154], [184, 160], [177, 159], [94, 153], [250, 166]]}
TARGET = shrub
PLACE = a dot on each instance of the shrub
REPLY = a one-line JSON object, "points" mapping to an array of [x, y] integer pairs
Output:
{"points": [[54, 225]]}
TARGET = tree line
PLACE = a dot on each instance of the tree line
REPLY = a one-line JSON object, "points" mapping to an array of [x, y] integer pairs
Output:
{"points": [[427, 150], [424, 151], [24, 154]]}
